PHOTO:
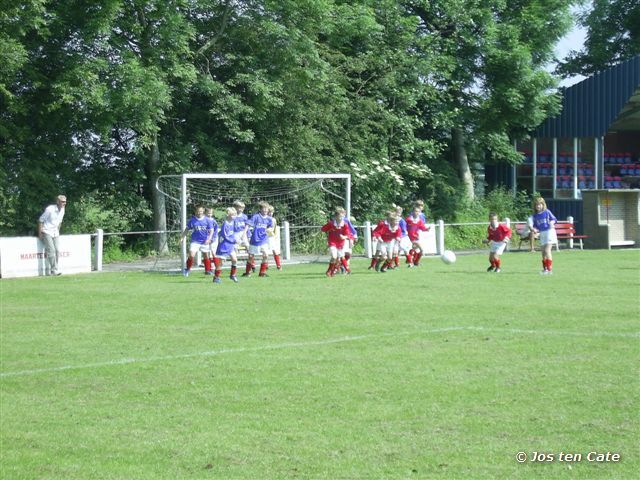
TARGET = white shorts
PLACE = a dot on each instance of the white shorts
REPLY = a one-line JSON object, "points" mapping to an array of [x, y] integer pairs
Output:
{"points": [[202, 247], [548, 237], [348, 245], [336, 252], [497, 247], [274, 245], [259, 249], [404, 245], [214, 247], [385, 248]]}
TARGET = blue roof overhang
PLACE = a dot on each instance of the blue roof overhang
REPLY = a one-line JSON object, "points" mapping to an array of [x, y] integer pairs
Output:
{"points": [[608, 100]]}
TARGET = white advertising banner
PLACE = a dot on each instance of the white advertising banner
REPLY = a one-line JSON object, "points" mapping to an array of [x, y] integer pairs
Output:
{"points": [[428, 240], [26, 257]]}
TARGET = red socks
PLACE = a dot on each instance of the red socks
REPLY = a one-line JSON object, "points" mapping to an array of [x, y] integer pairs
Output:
{"points": [[263, 269], [218, 263], [345, 264], [234, 270], [277, 259], [547, 263], [189, 263]]}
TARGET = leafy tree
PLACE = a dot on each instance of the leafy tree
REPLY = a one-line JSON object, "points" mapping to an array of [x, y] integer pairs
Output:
{"points": [[613, 35], [489, 58]]}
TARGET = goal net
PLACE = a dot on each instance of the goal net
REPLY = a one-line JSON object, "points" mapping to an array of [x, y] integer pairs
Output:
{"points": [[302, 203]]}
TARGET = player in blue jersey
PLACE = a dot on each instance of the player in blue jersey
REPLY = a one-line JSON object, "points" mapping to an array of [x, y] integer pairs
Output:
{"points": [[240, 225], [404, 245], [544, 223], [214, 240], [227, 245], [259, 241], [202, 232]]}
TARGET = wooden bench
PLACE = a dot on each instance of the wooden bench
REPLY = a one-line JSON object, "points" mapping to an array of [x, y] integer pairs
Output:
{"points": [[566, 231], [522, 231]]}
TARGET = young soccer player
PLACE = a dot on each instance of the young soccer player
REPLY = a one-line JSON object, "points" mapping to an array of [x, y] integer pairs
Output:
{"points": [[274, 240], [420, 205], [498, 236], [387, 233], [338, 234], [404, 245], [415, 225], [347, 249], [259, 241], [227, 247], [202, 233], [214, 241], [544, 223]]}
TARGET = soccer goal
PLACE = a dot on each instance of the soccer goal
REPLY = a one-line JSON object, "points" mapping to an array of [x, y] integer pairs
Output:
{"points": [[302, 202]]}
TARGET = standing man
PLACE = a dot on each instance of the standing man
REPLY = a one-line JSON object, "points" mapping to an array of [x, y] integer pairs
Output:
{"points": [[49, 232]]}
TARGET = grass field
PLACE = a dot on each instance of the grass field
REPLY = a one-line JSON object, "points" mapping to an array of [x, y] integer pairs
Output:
{"points": [[437, 372]]}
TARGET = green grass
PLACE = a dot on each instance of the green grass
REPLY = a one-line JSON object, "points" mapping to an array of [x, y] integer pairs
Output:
{"points": [[437, 372]]}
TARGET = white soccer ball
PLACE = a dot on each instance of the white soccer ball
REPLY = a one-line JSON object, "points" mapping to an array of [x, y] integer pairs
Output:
{"points": [[448, 257]]}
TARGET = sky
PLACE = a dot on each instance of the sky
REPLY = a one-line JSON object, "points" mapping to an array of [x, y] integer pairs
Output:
{"points": [[574, 40]]}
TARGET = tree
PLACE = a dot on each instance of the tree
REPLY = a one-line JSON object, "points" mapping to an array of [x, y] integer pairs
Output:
{"points": [[489, 59], [613, 35]]}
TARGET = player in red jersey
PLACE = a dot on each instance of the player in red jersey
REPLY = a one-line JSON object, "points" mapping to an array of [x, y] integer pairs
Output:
{"points": [[338, 232], [498, 236], [415, 225], [387, 233]]}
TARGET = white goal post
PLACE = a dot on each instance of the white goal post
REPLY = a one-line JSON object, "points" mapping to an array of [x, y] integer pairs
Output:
{"points": [[211, 186]]}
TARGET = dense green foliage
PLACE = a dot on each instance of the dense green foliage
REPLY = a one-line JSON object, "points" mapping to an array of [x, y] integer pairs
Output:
{"points": [[98, 99], [613, 35], [151, 377]]}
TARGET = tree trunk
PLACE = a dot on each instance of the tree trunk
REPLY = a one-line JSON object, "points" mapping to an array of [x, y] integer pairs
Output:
{"points": [[157, 199], [462, 162]]}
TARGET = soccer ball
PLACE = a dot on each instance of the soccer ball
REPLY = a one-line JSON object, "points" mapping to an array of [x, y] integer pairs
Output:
{"points": [[448, 257]]}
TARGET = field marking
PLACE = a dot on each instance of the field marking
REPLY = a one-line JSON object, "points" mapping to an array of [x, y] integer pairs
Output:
{"points": [[330, 341], [212, 353], [554, 332]]}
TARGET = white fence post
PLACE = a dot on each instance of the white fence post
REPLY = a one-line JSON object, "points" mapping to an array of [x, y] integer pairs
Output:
{"points": [[440, 237], [287, 240], [507, 222], [570, 220], [99, 249], [367, 240]]}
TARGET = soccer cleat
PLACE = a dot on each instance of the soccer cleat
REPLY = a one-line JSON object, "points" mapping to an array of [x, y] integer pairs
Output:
{"points": [[497, 270], [217, 280], [544, 272], [263, 275], [383, 270], [279, 268], [246, 274], [185, 272], [234, 278], [208, 272], [410, 265], [549, 272], [490, 269]]}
